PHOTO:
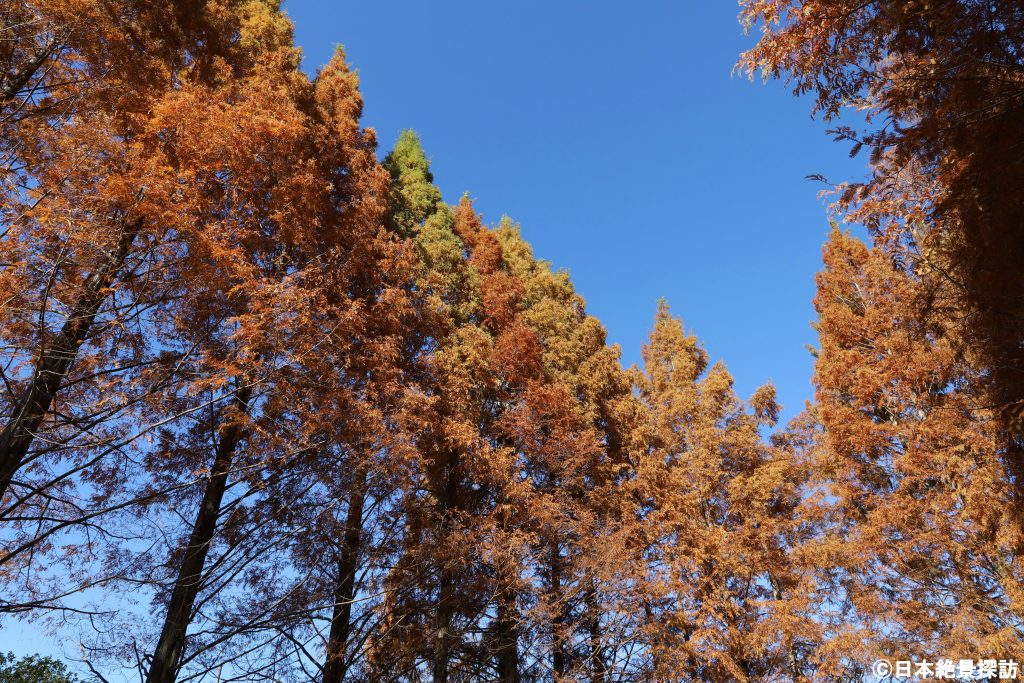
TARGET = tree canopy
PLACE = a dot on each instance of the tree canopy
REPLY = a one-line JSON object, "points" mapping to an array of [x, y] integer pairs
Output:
{"points": [[273, 410]]}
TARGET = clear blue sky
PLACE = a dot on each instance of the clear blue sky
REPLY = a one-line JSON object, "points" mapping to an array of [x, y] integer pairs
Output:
{"points": [[616, 134]]}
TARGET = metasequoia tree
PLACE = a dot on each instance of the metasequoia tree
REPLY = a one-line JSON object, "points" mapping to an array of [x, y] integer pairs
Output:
{"points": [[508, 358], [567, 439], [942, 87], [921, 553], [560, 429], [92, 223], [430, 598], [64, 58], [305, 279], [359, 580], [79, 81], [716, 522], [413, 197], [267, 206], [370, 536], [351, 525], [303, 419], [480, 368]]}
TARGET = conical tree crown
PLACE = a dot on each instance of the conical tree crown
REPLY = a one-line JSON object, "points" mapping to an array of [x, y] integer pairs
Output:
{"points": [[413, 197]]}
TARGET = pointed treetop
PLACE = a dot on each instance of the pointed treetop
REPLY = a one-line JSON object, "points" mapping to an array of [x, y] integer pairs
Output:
{"points": [[264, 27], [671, 355], [338, 96], [413, 197]]}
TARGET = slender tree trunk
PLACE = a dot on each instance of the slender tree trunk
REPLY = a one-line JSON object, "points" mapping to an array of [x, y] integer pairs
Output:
{"points": [[507, 638], [558, 660], [337, 663], [506, 622], [444, 609], [655, 658], [597, 663], [166, 657], [442, 624], [795, 672], [55, 361]]}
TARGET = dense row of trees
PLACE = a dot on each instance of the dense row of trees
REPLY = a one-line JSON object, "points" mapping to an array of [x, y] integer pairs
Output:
{"points": [[273, 410]]}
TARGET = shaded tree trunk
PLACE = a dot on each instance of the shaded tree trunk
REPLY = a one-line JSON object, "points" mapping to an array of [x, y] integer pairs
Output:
{"points": [[442, 625], [444, 609], [55, 360], [169, 649], [598, 668], [558, 659], [337, 663], [507, 637], [649, 617], [12, 84]]}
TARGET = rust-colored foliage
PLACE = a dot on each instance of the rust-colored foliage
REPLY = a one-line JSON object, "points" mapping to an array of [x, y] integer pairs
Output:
{"points": [[190, 255], [325, 426], [100, 235], [724, 597], [921, 544], [942, 85]]}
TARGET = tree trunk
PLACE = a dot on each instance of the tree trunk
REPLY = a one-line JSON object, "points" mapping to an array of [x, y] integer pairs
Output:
{"points": [[507, 637], [55, 361], [337, 663], [597, 663], [558, 659], [167, 656], [655, 658], [442, 624], [444, 609], [12, 84]]}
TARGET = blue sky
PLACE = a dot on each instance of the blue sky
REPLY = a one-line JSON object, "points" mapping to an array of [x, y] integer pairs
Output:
{"points": [[617, 136]]}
